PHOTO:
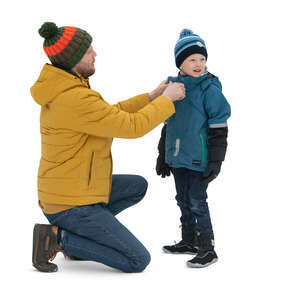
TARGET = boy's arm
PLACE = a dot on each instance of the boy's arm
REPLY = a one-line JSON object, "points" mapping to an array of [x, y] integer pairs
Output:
{"points": [[218, 110], [161, 167], [217, 145]]}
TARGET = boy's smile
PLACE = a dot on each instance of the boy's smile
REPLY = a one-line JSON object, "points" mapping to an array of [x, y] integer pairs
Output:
{"points": [[194, 65], [197, 71]]}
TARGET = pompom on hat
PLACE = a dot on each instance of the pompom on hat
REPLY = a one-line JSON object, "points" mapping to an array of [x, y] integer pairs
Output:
{"points": [[65, 46], [189, 43]]}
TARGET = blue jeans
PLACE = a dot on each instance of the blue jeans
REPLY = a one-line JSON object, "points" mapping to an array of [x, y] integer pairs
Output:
{"points": [[92, 232], [191, 199]]}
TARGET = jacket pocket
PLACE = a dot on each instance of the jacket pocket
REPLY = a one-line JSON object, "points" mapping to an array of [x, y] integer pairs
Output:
{"points": [[102, 165], [91, 168]]}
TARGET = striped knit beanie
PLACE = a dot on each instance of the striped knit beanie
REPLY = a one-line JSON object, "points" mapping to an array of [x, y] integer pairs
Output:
{"points": [[188, 44], [65, 46]]}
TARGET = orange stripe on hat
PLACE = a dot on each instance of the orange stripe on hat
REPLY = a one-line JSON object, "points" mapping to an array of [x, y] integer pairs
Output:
{"points": [[62, 43]]}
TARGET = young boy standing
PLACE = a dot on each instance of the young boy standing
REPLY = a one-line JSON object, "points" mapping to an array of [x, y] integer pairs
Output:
{"points": [[193, 145]]}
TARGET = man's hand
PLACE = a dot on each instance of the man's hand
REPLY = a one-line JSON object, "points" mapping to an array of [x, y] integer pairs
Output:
{"points": [[175, 91], [159, 90]]}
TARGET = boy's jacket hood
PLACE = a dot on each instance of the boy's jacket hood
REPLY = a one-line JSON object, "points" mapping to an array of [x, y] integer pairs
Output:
{"points": [[52, 82]]}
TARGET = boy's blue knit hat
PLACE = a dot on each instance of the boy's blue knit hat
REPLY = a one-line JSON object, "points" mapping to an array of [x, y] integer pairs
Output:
{"points": [[189, 43]]}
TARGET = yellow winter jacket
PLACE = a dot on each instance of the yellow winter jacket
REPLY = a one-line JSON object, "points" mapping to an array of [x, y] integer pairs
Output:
{"points": [[77, 128]]}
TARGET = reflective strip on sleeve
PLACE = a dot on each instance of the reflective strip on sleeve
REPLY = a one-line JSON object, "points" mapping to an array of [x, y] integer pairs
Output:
{"points": [[218, 125]]}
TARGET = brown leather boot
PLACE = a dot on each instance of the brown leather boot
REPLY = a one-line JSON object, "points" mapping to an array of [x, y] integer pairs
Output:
{"points": [[45, 247]]}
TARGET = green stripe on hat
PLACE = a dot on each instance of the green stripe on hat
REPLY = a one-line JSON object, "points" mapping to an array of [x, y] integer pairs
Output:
{"points": [[79, 53]]}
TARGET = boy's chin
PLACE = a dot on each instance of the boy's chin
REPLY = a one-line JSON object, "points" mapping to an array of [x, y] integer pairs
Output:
{"points": [[195, 74]]}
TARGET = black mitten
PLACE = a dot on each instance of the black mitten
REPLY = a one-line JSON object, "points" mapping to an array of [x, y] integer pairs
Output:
{"points": [[162, 168], [217, 145]]}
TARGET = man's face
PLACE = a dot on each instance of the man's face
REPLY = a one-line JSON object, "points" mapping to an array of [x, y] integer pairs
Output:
{"points": [[86, 65], [194, 65]]}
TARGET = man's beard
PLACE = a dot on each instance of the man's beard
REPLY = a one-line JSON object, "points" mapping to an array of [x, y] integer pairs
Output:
{"points": [[87, 72]]}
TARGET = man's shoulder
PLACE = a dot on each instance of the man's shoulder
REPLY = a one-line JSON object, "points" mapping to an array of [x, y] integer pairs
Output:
{"points": [[78, 94]]}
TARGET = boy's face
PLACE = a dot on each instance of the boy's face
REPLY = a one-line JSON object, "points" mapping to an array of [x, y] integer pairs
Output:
{"points": [[194, 65]]}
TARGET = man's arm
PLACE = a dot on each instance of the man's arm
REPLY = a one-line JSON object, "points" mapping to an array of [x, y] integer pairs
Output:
{"points": [[92, 115], [136, 103]]}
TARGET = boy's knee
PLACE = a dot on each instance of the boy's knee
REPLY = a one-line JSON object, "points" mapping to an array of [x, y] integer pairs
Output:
{"points": [[198, 205]]}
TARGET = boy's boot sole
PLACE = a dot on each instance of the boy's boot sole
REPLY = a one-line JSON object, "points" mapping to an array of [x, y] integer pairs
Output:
{"points": [[180, 248], [203, 259], [197, 265], [170, 252]]}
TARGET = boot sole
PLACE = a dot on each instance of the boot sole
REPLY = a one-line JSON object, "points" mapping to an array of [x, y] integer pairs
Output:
{"points": [[170, 252], [191, 265], [36, 235]]}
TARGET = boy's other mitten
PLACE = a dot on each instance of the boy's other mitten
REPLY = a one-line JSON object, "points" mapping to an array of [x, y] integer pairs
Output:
{"points": [[162, 169], [217, 145], [212, 171]]}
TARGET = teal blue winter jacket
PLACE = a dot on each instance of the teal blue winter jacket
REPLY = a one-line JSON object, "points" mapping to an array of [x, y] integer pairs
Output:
{"points": [[187, 130]]}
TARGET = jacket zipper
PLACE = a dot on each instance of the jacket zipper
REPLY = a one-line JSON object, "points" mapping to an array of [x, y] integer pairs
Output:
{"points": [[202, 147], [91, 166]]}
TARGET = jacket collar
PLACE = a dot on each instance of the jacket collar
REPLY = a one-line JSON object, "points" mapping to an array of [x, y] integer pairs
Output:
{"points": [[189, 81], [78, 75]]}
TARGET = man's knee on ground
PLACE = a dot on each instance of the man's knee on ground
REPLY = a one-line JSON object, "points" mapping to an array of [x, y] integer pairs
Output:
{"points": [[139, 263], [141, 187], [143, 183]]}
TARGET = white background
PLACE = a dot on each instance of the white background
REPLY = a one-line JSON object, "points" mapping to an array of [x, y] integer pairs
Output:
{"points": [[253, 46]]}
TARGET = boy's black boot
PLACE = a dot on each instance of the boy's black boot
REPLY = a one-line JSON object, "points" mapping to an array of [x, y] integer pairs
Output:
{"points": [[186, 245], [206, 254], [45, 247]]}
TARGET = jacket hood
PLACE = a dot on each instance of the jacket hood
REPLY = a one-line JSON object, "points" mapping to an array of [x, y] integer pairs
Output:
{"points": [[52, 82], [192, 82], [211, 80]]}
